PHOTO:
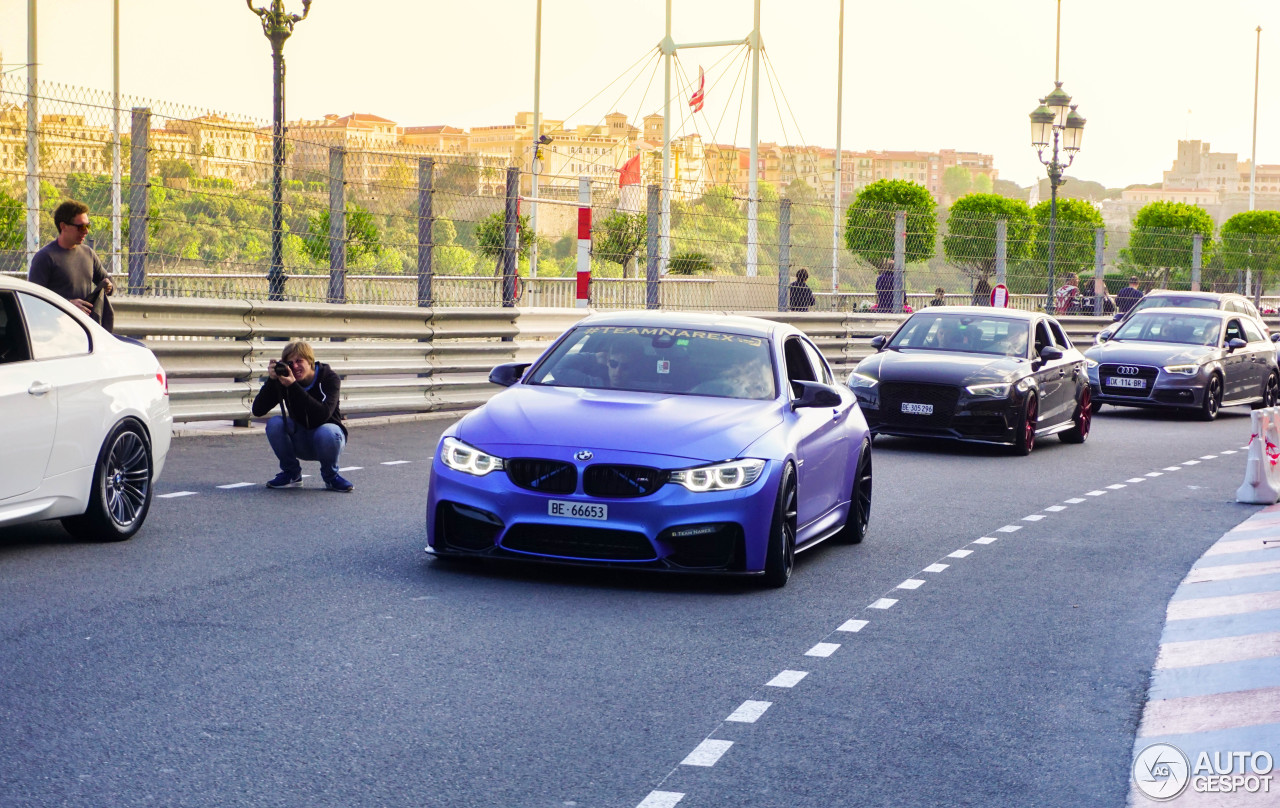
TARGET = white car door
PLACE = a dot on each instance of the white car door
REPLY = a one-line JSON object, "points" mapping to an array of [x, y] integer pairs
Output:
{"points": [[29, 402]]}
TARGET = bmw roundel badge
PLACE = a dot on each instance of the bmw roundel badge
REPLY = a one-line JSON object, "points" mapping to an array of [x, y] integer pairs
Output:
{"points": [[583, 454]]}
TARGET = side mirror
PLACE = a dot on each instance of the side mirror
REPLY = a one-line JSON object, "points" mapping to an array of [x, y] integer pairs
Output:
{"points": [[1236, 344], [1050, 352], [508, 374], [1275, 337], [1104, 335], [878, 342], [814, 394], [1117, 317]]}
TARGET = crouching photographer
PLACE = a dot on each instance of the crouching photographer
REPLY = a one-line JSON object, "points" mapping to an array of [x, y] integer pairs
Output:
{"points": [[311, 426]]}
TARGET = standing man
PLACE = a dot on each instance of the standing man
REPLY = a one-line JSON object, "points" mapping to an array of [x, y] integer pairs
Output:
{"points": [[1128, 297], [800, 297], [311, 427], [71, 268]]}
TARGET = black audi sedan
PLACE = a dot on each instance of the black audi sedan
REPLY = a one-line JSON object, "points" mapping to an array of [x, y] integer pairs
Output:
{"points": [[1198, 360], [975, 374]]}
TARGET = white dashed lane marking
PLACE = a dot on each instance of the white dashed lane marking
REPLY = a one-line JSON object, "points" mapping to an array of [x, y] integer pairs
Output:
{"points": [[985, 540], [177, 494], [351, 468], [236, 485], [1136, 480], [1117, 486], [1209, 457], [1191, 463], [786, 679], [1073, 501], [1035, 517], [706, 753], [1009, 529], [1173, 468], [823, 649], [936, 567], [911, 583], [395, 462], [1056, 508], [1155, 473], [661, 799], [960, 554], [1229, 451], [853, 625], [883, 603], [749, 712], [1094, 493]]}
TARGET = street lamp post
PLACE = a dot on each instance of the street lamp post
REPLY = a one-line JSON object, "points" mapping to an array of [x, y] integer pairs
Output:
{"points": [[277, 25], [1056, 121]]}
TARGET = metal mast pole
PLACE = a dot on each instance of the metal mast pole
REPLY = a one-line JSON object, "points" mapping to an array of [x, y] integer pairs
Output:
{"points": [[115, 138], [835, 210], [664, 243], [753, 201], [1253, 156], [33, 143], [537, 132]]}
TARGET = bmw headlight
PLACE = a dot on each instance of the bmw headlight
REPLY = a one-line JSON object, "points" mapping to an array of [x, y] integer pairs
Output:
{"points": [[1000, 390], [861, 380], [1182, 370], [468, 459], [719, 476]]}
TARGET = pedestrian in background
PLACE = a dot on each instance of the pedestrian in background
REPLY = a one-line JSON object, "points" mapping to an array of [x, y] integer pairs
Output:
{"points": [[800, 297], [939, 297], [69, 267], [982, 292], [884, 291], [1067, 299], [311, 427], [1127, 297]]}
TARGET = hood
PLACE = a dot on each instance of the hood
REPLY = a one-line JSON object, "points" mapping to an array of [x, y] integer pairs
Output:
{"points": [[695, 427], [1149, 353], [942, 367]]}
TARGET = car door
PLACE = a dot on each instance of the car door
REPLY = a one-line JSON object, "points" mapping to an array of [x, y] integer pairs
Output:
{"points": [[822, 452], [1237, 366], [1048, 375], [29, 402], [1261, 350], [1070, 368]]}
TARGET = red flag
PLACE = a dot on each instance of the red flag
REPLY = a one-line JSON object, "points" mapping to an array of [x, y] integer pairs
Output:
{"points": [[699, 96], [630, 172]]}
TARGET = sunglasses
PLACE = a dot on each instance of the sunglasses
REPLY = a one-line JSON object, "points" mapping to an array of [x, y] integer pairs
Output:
{"points": [[83, 228]]}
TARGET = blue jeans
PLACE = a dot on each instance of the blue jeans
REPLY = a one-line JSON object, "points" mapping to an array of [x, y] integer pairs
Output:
{"points": [[292, 443]]}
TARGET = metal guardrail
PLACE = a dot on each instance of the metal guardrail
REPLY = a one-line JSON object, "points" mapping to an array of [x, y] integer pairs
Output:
{"points": [[401, 358]]}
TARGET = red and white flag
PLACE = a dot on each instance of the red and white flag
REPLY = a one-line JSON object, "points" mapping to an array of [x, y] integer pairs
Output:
{"points": [[699, 96], [630, 174]]}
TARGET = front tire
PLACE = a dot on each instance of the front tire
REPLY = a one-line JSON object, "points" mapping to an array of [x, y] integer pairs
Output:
{"points": [[780, 558], [1026, 440], [1270, 393], [121, 495], [1212, 399], [1083, 420], [855, 527]]}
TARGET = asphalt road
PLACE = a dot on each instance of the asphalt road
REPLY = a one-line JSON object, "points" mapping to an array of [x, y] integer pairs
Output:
{"points": [[297, 648]]}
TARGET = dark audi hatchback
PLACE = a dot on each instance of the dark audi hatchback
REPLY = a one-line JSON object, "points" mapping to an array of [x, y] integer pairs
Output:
{"points": [[976, 374]]}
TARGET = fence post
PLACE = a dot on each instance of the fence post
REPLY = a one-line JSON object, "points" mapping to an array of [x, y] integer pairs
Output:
{"points": [[899, 261], [1002, 251], [139, 210], [426, 228], [1197, 255], [784, 253], [511, 241], [33, 143], [651, 300], [584, 243], [1099, 247], [337, 227]]}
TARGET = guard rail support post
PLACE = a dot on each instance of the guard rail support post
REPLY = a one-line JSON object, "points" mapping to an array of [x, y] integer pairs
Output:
{"points": [[652, 301], [1099, 253], [511, 238], [899, 261], [1197, 256], [1002, 251], [337, 227], [1261, 486], [426, 227], [784, 252], [583, 295], [139, 212]]}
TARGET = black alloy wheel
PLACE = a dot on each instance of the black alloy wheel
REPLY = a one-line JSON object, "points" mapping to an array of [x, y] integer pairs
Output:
{"points": [[780, 557], [855, 527], [1270, 393], [1027, 426], [121, 493], [1212, 399]]}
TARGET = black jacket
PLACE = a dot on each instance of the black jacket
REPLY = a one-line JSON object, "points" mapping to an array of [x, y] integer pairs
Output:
{"points": [[800, 297], [311, 407]]}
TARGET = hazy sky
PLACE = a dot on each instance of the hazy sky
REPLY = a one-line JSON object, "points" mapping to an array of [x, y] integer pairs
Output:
{"points": [[918, 74]]}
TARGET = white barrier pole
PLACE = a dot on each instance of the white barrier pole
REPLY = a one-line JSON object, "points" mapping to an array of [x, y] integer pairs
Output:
{"points": [[584, 242], [1261, 484]]}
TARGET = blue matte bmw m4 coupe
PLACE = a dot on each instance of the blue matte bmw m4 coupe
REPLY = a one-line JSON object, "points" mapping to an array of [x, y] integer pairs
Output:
{"points": [[655, 440]]}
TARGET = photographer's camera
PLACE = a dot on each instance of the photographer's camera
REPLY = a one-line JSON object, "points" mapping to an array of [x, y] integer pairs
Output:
{"points": [[282, 369]]}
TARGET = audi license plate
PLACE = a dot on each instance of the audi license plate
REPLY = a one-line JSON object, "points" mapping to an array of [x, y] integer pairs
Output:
{"points": [[577, 510], [1120, 381], [917, 409]]}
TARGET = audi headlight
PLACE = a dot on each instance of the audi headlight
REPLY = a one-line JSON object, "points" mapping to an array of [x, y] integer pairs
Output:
{"points": [[1182, 370], [861, 380], [1090, 363], [468, 459], [1000, 390], [719, 476]]}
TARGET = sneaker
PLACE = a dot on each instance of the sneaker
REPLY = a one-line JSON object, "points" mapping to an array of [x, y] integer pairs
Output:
{"points": [[340, 484], [285, 480]]}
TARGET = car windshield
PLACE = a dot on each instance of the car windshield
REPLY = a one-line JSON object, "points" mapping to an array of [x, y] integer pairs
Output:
{"points": [[1171, 326], [966, 333], [1173, 302], [666, 360]]}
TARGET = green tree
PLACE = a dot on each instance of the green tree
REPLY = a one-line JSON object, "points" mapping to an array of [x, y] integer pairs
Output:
{"points": [[13, 223], [176, 169], [970, 242], [957, 181], [691, 263], [1163, 237], [363, 238], [1073, 238], [1010, 189], [1251, 240], [491, 238], [869, 222], [618, 236], [458, 178], [982, 184]]}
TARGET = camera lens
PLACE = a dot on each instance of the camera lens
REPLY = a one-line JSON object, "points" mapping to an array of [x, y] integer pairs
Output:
{"points": [[282, 369]]}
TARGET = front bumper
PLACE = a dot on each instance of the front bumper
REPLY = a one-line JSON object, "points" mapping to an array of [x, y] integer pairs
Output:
{"points": [[1164, 390], [956, 415]]}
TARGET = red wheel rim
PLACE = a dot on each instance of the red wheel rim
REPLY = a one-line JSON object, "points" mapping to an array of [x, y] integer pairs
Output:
{"points": [[1086, 415], [1030, 426]]}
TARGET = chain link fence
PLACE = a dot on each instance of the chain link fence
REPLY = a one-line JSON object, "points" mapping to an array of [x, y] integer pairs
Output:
{"points": [[370, 219]]}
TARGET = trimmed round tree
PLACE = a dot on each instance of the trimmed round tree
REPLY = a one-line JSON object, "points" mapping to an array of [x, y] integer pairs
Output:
{"points": [[868, 231], [1251, 240], [1162, 240], [970, 243]]}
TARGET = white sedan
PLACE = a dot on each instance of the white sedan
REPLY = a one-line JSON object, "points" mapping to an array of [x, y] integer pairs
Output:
{"points": [[86, 423]]}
